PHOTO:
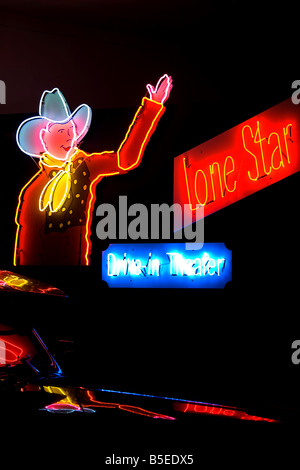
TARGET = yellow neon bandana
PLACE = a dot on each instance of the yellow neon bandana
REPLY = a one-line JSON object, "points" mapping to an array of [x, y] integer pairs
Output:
{"points": [[57, 189]]}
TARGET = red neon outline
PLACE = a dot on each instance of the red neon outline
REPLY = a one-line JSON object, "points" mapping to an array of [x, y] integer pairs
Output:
{"points": [[92, 191], [68, 404], [146, 137], [17, 213]]}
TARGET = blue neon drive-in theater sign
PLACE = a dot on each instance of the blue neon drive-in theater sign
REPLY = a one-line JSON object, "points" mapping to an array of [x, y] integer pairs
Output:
{"points": [[166, 265]]}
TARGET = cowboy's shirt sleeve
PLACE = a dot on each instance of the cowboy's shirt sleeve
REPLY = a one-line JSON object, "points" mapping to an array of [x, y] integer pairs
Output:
{"points": [[131, 150]]}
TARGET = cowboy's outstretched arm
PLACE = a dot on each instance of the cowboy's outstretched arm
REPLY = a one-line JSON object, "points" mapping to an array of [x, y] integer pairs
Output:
{"points": [[130, 152], [143, 125]]}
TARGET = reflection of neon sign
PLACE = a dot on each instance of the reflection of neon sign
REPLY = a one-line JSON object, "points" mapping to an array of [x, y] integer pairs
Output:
{"points": [[166, 265], [9, 352], [219, 410], [55, 207], [83, 400], [12, 281], [15, 281], [2, 353], [2, 92], [239, 162]]}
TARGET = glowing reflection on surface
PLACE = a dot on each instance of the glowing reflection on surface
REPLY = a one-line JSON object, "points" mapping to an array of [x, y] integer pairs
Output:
{"points": [[219, 410], [16, 282], [83, 400]]}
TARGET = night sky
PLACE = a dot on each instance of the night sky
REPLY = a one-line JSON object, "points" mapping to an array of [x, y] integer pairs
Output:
{"points": [[104, 52]]}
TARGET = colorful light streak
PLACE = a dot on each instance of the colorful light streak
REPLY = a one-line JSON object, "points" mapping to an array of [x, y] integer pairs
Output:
{"points": [[54, 365], [29, 349], [129, 408]]}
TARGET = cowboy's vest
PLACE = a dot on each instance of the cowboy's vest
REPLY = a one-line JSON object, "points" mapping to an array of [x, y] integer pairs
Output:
{"points": [[73, 211]]}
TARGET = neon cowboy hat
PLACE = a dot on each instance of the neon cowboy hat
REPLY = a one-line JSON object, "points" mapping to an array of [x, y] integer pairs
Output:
{"points": [[53, 108]]}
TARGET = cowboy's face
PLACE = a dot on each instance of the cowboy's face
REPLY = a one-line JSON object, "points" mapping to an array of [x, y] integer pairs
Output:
{"points": [[59, 140]]}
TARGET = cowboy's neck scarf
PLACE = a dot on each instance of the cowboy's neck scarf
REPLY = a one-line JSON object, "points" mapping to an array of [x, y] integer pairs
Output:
{"points": [[52, 162], [57, 189]]}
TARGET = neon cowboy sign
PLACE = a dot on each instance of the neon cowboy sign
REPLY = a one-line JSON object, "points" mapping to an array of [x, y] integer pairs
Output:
{"points": [[239, 162], [55, 206], [166, 265]]}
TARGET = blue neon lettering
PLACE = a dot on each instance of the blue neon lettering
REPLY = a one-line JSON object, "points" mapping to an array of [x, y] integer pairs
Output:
{"points": [[131, 267], [178, 265]]}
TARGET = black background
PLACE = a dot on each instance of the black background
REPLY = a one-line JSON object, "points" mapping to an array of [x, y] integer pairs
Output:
{"points": [[229, 61]]}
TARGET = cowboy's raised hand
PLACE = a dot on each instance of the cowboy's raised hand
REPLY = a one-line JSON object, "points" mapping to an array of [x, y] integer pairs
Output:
{"points": [[162, 90]]}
